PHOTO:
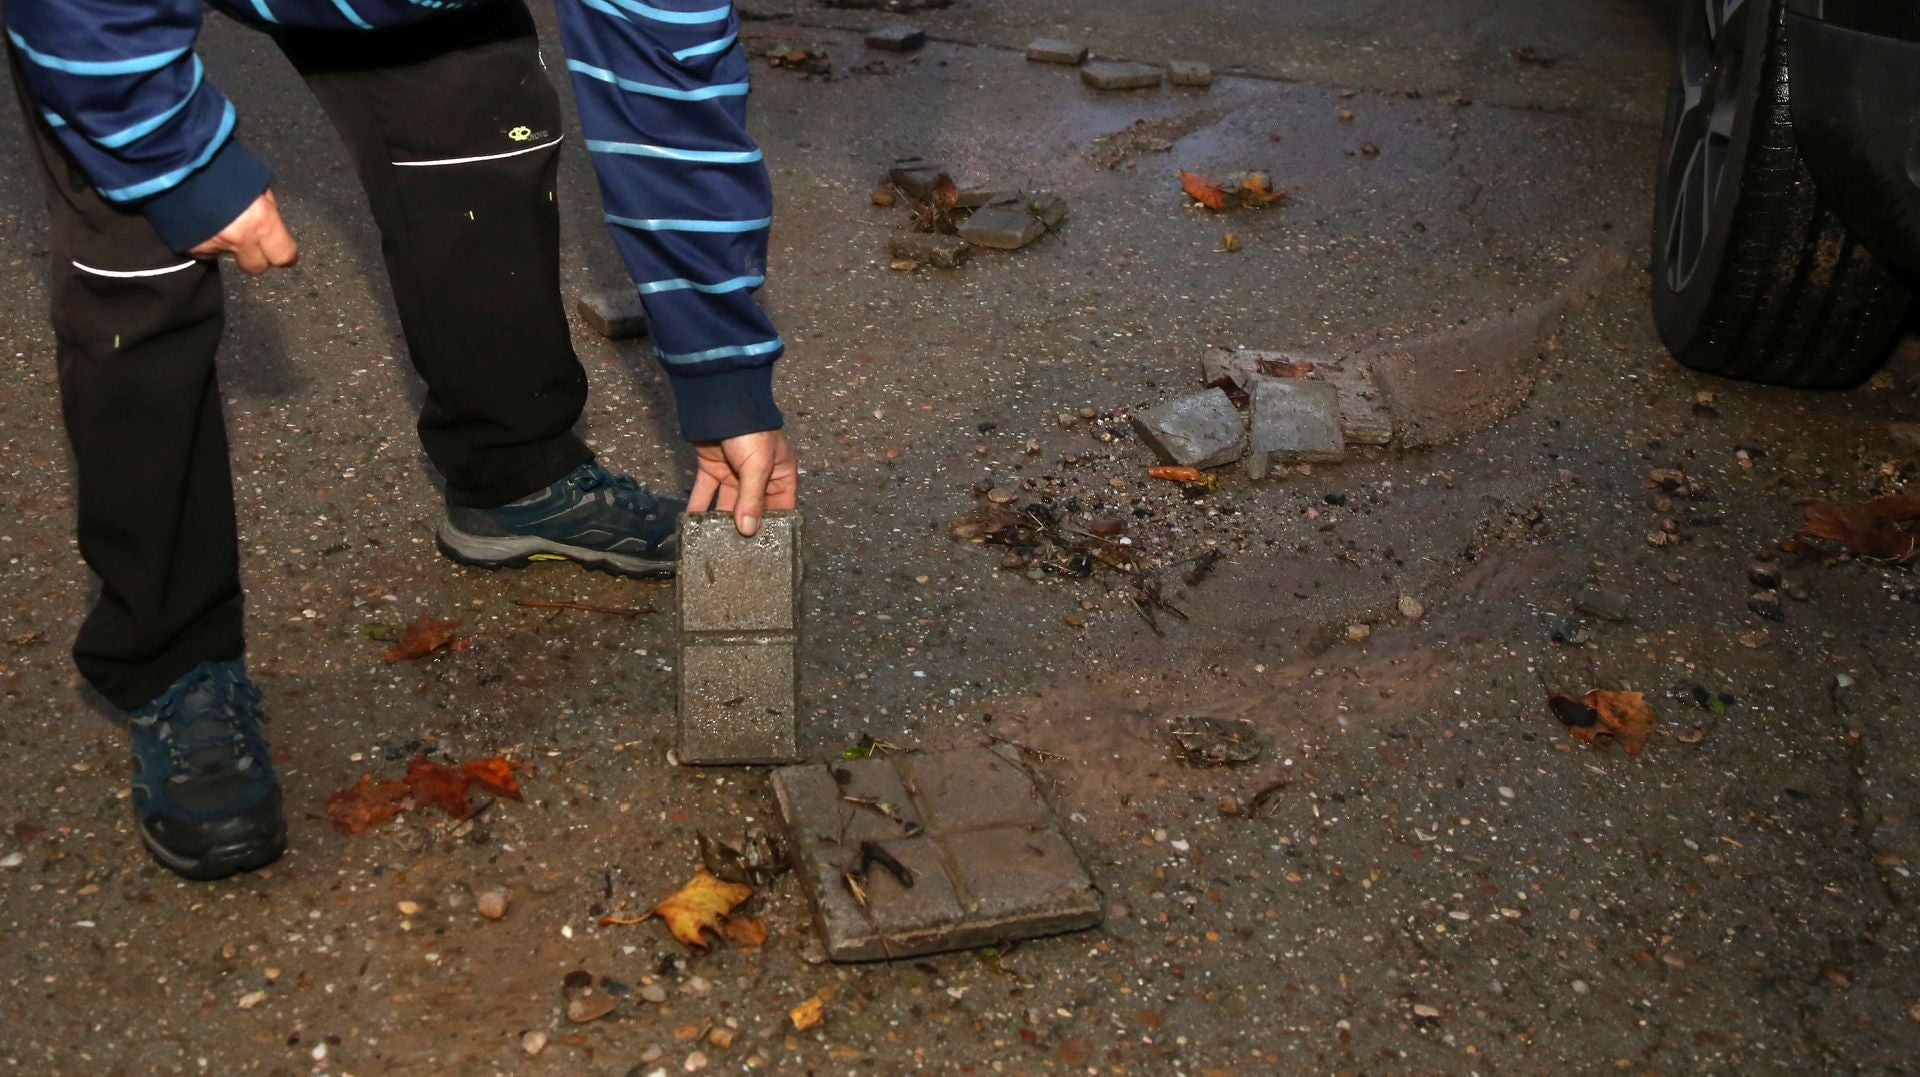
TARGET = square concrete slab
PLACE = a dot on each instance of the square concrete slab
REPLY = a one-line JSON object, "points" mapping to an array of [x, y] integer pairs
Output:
{"points": [[734, 584], [739, 623], [1296, 421], [1203, 430], [737, 703], [989, 862]]}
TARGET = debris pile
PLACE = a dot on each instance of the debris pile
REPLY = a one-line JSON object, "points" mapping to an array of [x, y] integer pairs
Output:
{"points": [[947, 221]]}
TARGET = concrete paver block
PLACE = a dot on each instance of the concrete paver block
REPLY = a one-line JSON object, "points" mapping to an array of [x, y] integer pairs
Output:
{"points": [[1049, 50], [898, 37], [1203, 430], [1115, 75], [990, 864], [616, 315], [915, 176], [1296, 421], [1189, 73], [738, 621], [1006, 226]]}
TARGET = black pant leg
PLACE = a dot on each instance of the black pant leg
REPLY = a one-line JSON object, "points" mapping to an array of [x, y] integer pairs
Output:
{"points": [[137, 326], [455, 132]]}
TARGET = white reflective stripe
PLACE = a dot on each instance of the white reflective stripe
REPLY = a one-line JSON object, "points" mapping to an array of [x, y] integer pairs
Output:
{"points": [[487, 157], [126, 273]]}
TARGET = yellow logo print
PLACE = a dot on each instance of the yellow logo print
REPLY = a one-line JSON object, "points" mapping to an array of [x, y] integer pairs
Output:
{"points": [[520, 134]]}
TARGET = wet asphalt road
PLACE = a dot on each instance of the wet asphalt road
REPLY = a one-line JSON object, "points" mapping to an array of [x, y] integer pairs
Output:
{"points": [[1439, 881]]}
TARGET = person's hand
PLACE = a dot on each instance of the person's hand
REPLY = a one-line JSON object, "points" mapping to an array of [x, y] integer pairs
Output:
{"points": [[258, 239], [746, 475]]}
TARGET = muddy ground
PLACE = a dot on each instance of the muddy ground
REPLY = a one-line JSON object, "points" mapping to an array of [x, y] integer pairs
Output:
{"points": [[1438, 879]]}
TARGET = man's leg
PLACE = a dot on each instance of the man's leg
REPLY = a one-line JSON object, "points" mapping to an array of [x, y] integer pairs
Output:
{"points": [[137, 327], [455, 132]]}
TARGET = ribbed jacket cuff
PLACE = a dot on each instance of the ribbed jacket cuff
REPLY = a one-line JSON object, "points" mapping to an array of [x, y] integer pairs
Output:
{"points": [[198, 207], [715, 407]]}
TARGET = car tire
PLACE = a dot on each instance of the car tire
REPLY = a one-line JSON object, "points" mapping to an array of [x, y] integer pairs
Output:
{"points": [[1753, 277]]}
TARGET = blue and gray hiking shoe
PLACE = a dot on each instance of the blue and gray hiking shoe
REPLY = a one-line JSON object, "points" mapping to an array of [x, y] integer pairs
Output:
{"points": [[591, 516], [203, 787]]}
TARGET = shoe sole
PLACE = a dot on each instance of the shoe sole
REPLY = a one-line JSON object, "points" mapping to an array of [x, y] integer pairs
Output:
{"points": [[220, 861], [519, 551]]}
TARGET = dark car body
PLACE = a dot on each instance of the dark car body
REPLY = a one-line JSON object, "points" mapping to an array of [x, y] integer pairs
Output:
{"points": [[1856, 115]]}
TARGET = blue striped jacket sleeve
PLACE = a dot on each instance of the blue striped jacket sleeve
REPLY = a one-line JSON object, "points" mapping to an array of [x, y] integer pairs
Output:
{"points": [[119, 83]]}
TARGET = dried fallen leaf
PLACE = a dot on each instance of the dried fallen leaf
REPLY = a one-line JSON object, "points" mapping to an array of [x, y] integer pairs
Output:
{"points": [[365, 804], [1869, 530], [701, 906], [1229, 244], [1177, 474], [1203, 190], [1624, 715], [1256, 191], [1285, 368], [945, 193], [423, 637], [745, 932], [883, 195], [808, 1014], [495, 775], [438, 786]]}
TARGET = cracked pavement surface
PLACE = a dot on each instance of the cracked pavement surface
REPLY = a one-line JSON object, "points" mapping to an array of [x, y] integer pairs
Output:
{"points": [[1437, 880]]}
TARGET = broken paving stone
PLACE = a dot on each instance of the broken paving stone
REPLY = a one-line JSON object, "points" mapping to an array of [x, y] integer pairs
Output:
{"points": [[915, 177], [1218, 742], [616, 315], [1189, 73], [898, 37], [1202, 431], [1006, 226], [927, 248], [1047, 50], [1116, 75], [990, 865], [1296, 421]]}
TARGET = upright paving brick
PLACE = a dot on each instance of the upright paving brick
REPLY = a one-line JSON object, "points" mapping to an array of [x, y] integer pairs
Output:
{"points": [[1047, 50], [1189, 73], [739, 625], [1202, 430], [1296, 421], [1114, 75], [616, 315], [898, 37], [989, 862]]}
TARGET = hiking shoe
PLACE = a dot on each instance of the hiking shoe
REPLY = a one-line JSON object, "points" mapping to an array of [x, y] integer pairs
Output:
{"points": [[591, 516], [203, 788]]}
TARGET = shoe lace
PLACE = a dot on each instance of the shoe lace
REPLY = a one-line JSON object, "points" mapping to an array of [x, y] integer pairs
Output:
{"points": [[206, 736], [623, 490]]}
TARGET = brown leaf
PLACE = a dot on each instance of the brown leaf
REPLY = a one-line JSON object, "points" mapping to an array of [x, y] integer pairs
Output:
{"points": [[1203, 190], [883, 195], [364, 805], [495, 775], [745, 932], [1619, 714], [1177, 474], [1869, 530], [808, 1014], [1285, 368], [434, 785], [423, 637], [1256, 193], [945, 193], [701, 906]]}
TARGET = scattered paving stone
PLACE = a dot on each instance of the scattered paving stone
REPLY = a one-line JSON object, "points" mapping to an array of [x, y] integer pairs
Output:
{"points": [[1218, 742], [1115, 75], [739, 625], [1189, 73], [1006, 226], [973, 197], [927, 248], [1296, 421], [491, 904], [1048, 50], [1365, 418], [1599, 602], [898, 37], [987, 861], [1203, 430], [616, 315], [915, 177]]}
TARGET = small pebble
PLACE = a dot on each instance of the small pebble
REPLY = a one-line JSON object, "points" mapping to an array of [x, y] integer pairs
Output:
{"points": [[409, 908], [251, 999], [1359, 633], [1411, 608], [533, 1042], [1580, 987], [653, 993], [695, 1062], [1426, 1011], [12, 860], [1000, 495], [1507, 791], [491, 904]]}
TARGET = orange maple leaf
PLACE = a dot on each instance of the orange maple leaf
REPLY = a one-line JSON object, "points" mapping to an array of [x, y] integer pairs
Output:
{"points": [[701, 906], [1203, 190], [423, 637], [364, 805], [1624, 715], [438, 786], [495, 775]]}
